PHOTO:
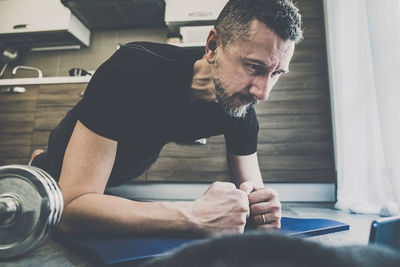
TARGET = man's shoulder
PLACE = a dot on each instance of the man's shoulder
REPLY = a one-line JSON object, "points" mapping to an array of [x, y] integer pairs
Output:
{"points": [[138, 57], [160, 51], [157, 50]]}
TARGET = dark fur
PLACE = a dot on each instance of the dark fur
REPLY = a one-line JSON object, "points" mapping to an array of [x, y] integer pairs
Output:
{"points": [[266, 249]]}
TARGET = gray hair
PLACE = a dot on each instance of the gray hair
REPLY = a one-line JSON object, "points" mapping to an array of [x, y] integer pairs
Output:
{"points": [[281, 16]]}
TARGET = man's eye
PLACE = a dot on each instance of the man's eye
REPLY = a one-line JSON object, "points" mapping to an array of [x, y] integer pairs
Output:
{"points": [[256, 67], [276, 73], [257, 70]]}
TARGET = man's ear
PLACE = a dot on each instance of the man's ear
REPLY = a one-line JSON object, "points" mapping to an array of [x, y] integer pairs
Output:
{"points": [[211, 46]]}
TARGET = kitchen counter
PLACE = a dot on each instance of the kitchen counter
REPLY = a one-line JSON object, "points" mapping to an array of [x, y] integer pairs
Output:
{"points": [[45, 80]]}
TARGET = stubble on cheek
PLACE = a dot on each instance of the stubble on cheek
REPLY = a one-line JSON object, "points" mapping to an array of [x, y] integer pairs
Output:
{"points": [[236, 104]]}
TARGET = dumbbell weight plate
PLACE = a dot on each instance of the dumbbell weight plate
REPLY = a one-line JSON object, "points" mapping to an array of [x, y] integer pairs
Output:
{"points": [[32, 222], [50, 223], [56, 200], [30, 202], [52, 198], [59, 202]]}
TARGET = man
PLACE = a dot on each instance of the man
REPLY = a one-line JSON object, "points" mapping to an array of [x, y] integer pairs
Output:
{"points": [[147, 95]]}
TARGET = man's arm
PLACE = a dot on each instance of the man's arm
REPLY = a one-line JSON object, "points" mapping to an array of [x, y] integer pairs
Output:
{"points": [[244, 169], [265, 207], [87, 165]]}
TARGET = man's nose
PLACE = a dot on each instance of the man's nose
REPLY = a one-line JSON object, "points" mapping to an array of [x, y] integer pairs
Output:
{"points": [[260, 88]]}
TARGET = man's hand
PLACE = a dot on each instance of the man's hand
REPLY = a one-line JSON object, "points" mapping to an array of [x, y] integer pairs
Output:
{"points": [[265, 207], [222, 209]]}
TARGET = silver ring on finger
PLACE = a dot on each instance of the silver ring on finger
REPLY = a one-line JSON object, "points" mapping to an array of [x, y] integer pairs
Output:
{"points": [[263, 218]]}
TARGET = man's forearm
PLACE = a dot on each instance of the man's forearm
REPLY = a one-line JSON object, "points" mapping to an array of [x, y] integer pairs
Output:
{"points": [[222, 209], [244, 169], [238, 177], [257, 180], [110, 214]]}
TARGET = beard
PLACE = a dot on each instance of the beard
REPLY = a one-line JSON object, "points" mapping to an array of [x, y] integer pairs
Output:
{"points": [[235, 105]]}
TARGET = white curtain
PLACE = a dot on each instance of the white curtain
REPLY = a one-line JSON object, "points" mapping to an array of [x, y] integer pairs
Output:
{"points": [[363, 39]]}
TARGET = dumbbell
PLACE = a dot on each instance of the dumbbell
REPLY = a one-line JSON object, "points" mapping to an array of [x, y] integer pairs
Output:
{"points": [[31, 205]]}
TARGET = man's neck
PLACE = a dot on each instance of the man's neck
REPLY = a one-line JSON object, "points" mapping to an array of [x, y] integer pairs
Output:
{"points": [[202, 83]]}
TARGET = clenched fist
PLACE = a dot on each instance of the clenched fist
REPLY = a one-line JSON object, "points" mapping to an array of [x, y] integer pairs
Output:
{"points": [[222, 209], [265, 207]]}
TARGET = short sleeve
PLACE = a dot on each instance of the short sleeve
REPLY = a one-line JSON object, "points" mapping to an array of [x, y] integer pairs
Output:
{"points": [[99, 110], [242, 137]]}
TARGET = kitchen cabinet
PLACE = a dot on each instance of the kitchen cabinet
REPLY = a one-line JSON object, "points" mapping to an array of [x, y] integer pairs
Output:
{"points": [[192, 12], [17, 116], [53, 102], [27, 119], [40, 23]]}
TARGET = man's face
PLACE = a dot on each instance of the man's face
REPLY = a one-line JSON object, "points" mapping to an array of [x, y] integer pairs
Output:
{"points": [[245, 71]]}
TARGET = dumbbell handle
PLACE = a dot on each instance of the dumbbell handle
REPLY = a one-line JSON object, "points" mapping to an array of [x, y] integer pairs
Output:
{"points": [[9, 207]]}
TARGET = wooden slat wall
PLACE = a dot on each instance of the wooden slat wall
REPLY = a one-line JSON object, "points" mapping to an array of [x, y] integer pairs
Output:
{"points": [[17, 115], [53, 103], [295, 140], [27, 119]]}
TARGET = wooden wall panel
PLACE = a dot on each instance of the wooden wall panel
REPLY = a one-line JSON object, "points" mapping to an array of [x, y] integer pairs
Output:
{"points": [[17, 115], [54, 101], [294, 135], [27, 119], [11, 126], [60, 95], [293, 176], [282, 121], [309, 8], [295, 140], [40, 139], [318, 82]]}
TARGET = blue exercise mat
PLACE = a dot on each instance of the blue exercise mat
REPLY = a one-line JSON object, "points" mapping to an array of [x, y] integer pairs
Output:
{"points": [[117, 248], [310, 227]]}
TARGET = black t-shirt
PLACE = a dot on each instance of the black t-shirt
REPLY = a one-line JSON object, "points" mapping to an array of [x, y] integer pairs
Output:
{"points": [[139, 97]]}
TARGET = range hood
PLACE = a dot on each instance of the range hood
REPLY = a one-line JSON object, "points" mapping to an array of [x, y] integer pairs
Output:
{"points": [[40, 24], [117, 14]]}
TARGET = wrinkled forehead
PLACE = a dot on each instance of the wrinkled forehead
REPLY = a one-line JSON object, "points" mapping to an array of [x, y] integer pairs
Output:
{"points": [[263, 44], [261, 36]]}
